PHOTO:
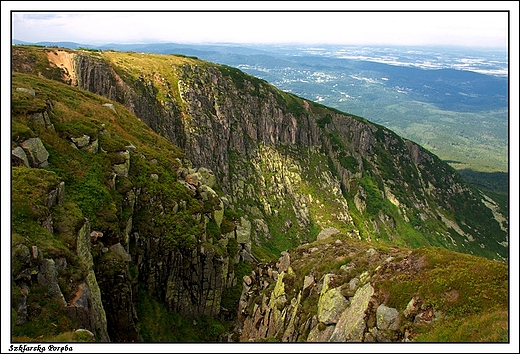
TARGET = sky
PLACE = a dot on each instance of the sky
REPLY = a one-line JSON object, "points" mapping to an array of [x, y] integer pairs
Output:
{"points": [[337, 23]]}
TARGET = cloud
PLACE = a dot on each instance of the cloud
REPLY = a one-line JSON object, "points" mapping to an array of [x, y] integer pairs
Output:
{"points": [[340, 27]]}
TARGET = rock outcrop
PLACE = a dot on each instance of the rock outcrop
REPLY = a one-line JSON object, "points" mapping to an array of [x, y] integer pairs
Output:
{"points": [[344, 307], [171, 236], [84, 305], [36, 153]]}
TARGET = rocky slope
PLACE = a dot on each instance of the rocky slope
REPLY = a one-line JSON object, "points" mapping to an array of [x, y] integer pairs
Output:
{"points": [[232, 172], [340, 290], [104, 208]]}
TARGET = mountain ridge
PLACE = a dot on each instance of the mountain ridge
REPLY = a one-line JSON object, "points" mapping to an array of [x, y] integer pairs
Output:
{"points": [[475, 139], [269, 168]]}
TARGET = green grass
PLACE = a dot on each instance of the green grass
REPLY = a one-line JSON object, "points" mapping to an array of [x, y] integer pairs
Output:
{"points": [[487, 327], [471, 292], [48, 317]]}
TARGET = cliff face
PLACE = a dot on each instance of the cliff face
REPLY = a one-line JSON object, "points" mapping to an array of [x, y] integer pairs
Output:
{"points": [[225, 121], [247, 171]]}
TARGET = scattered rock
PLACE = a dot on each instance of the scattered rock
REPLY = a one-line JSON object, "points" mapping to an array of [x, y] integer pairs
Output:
{"points": [[412, 308], [120, 250], [34, 252], [246, 256], [371, 252], [353, 283], [327, 232], [110, 106], [81, 141], [131, 148], [93, 147], [94, 235], [363, 278], [284, 262], [207, 177], [123, 168], [26, 90], [82, 330], [308, 282], [194, 179], [19, 158]]}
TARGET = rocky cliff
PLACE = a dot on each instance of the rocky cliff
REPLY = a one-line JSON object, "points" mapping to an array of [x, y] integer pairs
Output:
{"points": [[183, 173], [273, 153], [103, 210]]}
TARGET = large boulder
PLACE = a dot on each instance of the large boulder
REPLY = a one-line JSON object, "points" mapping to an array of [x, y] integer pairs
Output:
{"points": [[36, 152], [330, 306], [387, 318], [351, 325], [331, 302]]}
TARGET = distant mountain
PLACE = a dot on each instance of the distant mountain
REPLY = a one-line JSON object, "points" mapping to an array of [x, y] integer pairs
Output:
{"points": [[71, 45]]}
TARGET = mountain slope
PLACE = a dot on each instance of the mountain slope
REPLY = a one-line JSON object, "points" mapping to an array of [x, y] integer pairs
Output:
{"points": [[235, 172], [229, 122]]}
